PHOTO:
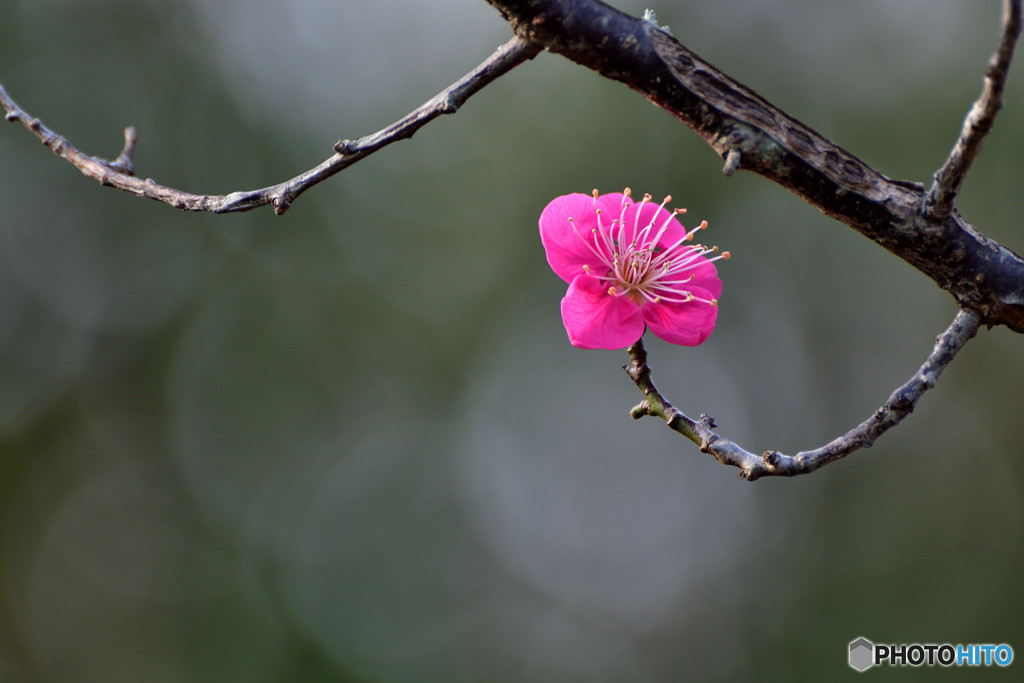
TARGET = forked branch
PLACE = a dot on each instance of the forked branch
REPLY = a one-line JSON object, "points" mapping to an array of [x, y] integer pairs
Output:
{"points": [[120, 173], [772, 463]]}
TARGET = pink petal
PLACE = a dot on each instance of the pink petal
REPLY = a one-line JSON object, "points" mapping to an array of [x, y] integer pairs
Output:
{"points": [[595, 319], [705, 277], [687, 324], [566, 252]]}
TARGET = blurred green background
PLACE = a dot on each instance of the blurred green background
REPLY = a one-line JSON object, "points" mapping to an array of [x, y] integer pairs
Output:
{"points": [[352, 443]]}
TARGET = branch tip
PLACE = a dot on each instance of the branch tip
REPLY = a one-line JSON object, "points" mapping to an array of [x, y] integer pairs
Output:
{"points": [[947, 180]]}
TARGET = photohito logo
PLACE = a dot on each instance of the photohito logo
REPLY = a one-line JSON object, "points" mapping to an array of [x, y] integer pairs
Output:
{"points": [[864, 654]]}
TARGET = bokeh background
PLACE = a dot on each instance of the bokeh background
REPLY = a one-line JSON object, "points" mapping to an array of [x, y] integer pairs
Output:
{"points": [[352, 443]]}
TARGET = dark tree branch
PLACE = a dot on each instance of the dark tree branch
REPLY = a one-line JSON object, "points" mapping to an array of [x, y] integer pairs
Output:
{"points": [[752, 134], [772, 463], [747, 131], [923, 228], [120, 173], [979, 120]]}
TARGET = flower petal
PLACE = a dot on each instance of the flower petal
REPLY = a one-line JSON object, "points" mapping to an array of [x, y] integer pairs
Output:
{"points": [[595, 319], [705, 277], [688, 324], [566, 252]]}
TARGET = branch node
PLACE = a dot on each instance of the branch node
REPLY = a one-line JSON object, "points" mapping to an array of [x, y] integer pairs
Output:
{"points": [[448, 105], [344, 147], [640, 410], [652, 19], [123, 163], [703, 428], [732, 162]]}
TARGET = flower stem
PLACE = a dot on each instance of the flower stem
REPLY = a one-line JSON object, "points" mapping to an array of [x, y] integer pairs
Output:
{"points": [[654, 403]]}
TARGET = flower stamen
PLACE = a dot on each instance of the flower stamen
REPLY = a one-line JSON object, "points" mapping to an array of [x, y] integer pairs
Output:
{"points": [[639, 266]]}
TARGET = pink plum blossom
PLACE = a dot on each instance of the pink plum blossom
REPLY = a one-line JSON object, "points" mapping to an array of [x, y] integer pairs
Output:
{"points": [[630, 266]]}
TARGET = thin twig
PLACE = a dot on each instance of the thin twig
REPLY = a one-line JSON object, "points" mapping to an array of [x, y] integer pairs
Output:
{"points": [[772, 463], [120, 172], [979, 120]]}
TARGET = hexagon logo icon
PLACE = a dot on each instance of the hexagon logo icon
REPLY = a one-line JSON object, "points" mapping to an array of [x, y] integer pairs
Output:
{"points": [[862, 654]]}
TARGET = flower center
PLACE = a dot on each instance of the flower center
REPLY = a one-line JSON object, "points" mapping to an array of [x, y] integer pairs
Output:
{"points": [[640, 269]]}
